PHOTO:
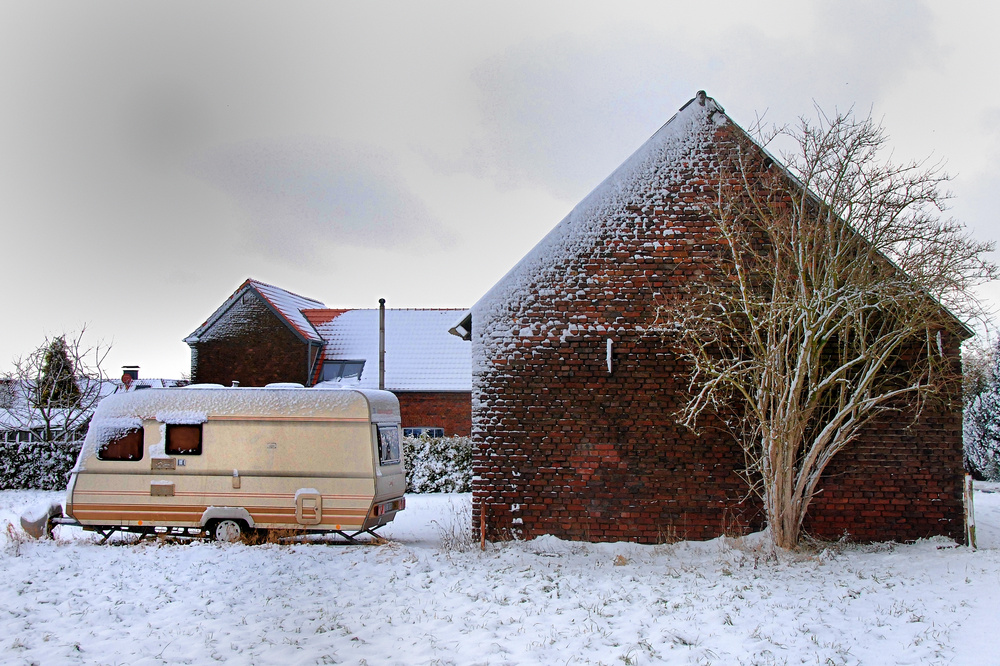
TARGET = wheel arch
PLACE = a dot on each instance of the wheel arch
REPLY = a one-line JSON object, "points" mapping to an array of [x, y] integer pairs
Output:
{"points": [[223, 512]]}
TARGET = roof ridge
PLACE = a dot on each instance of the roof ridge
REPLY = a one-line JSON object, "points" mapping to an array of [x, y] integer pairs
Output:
{"points": [[272, 286], [393, 309], [667, 147]]}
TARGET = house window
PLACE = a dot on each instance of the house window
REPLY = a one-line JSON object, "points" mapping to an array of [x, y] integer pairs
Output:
{"points": [[388, 445], [337, 370], [183, 440], [423, 432], [127, 446]]}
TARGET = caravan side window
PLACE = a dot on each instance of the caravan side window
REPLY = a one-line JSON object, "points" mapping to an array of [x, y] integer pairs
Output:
{"points": [[183, 440], [388, 445], [127, 446]]}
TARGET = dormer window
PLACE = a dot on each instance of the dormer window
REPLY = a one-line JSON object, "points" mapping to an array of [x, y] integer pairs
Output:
{"points": [[337, 370]]}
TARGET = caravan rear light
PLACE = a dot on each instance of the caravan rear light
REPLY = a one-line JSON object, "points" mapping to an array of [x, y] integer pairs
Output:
{"points": [[386, 507]]}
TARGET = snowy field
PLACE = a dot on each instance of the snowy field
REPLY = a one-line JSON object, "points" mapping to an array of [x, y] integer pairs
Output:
{"points": [[428, 598]]}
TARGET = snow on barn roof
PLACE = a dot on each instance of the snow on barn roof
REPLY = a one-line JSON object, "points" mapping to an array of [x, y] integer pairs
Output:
{"points": [[655, 166], [420, 353], [285, 304]]}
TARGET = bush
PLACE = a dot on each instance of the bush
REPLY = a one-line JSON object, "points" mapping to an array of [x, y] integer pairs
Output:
{"points": [[37, 465], [981, 422], [438, 464]]}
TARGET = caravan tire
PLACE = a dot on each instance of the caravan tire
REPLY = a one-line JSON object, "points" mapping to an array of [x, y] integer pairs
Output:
{"points": [[227, 530]]}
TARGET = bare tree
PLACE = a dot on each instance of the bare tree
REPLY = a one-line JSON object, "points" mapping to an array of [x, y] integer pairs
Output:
{"points": [[820, 306], [54, 389]]}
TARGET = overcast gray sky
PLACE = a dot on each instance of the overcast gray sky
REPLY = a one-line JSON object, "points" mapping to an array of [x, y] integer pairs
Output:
{"points": [[155, 155]]}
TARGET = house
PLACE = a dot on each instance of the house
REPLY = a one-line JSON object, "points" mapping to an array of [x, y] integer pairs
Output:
{"points": [[574, 388], [263, 334], [23, 421]]}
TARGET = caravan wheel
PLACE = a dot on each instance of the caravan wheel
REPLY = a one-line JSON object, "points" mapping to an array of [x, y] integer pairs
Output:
{"points": [[228, 530]]}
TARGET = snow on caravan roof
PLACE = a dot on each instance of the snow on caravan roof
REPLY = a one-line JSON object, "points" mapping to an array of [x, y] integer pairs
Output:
{"points": [[199, 403]]}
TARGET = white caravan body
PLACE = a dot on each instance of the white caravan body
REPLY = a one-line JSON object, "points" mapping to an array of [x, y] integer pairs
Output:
{"points": [[228, 460]]}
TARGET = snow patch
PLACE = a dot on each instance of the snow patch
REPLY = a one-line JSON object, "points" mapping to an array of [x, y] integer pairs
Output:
{"points": [[183, 417]]}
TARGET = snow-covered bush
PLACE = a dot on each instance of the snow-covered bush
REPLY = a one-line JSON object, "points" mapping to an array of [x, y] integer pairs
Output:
{"points": [[981, 422], [36, 465], [438, 464]]}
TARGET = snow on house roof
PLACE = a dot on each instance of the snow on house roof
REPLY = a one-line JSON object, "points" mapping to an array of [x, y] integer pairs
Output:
{"points": [[285, 304], [290, 306], [655, 166], [420, 353]]}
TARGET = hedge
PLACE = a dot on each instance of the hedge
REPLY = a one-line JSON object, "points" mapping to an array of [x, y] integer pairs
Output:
{"points": [[438, 465], [434, 465], [37, 465]]}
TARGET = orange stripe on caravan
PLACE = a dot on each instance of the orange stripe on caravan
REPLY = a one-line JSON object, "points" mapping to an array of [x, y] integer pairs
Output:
{"points": [[191, 493], [194, 512]]}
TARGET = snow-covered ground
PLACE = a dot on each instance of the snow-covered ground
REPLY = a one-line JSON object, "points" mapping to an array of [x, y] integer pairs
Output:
{"points": [[428, 598]]}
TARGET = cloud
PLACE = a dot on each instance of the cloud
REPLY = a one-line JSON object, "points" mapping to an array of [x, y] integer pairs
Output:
{"points": [[299, 197], [566, 110]]}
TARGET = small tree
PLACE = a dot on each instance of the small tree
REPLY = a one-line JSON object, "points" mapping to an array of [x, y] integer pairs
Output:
{"points": [[981, 422], [55, 388], [820, 307], [57, 382]]}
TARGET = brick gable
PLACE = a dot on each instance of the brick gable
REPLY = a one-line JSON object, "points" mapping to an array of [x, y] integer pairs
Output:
{"points": [[567, 447], [250, 344]]}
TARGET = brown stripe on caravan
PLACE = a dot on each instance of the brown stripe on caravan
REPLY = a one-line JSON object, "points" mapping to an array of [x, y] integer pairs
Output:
{"points": [[124, 513]]}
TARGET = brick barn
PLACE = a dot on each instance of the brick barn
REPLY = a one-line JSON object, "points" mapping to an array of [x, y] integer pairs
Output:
{"points": [[573, 390], [263, 334]]}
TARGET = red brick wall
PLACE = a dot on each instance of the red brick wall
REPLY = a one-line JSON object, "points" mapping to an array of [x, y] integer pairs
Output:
{"points": [[902, 481], [566, 448], [249, 344], [451, 411]]}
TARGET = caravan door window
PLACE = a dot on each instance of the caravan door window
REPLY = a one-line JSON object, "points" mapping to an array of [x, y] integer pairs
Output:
{"points": [[388, 445]]}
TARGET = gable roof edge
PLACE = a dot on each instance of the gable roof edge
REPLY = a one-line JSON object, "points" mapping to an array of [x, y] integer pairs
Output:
{"points": [[255, 285]]}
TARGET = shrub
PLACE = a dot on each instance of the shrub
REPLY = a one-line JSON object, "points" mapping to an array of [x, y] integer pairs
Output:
{"points": [[438, 464], [37, 465], [981, 423]]}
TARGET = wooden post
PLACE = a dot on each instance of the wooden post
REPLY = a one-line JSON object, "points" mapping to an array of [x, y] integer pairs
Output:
{"points": [[482, 526], [970, 513]]}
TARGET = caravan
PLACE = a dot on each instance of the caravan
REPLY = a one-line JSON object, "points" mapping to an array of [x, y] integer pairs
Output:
{"points": [[221, 462]]}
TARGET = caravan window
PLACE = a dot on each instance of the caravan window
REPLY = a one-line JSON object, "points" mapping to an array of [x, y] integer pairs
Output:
{"points": [[183, 440], [127, 446], [388, 445]]}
